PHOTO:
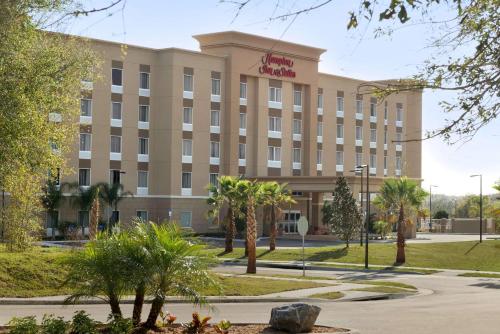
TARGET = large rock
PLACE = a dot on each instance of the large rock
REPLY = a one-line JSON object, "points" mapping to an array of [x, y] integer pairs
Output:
{"points": [[295, 318]]}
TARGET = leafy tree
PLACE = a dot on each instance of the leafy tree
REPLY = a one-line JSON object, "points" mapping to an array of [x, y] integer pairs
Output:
{"points": [[342, 214], [465, 60], [84, 198], [403, 196], [40, 77], [496, 186], [112, 195], [441, 214], [275, 195], [226, 194]]}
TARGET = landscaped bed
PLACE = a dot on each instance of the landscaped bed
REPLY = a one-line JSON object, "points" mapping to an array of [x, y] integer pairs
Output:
{"points": [[253, 329]]}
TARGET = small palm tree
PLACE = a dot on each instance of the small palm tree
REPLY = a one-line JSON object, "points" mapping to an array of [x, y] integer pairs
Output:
{"points": [[226, 193], [274, 196], [52, 200], [84, 198], [403, 196], [112, 195], [253, 194]]}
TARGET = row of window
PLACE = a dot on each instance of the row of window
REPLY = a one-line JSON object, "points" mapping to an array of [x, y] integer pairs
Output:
{"points": [[215, 88], [116, 110], [117, 78], [115, 144], [84, 177]]}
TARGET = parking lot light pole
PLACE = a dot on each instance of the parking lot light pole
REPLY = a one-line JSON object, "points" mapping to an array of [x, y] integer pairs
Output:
{"points": [[362, 167], [430, 206], [480, 205]]}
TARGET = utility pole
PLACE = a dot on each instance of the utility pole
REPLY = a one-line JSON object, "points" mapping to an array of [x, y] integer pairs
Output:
{"points": [[480, 205]]}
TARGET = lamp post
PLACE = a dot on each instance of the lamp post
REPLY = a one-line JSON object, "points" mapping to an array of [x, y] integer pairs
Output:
{"points": [[480, 205], [430, 206], [356, 170], [362, 167]]}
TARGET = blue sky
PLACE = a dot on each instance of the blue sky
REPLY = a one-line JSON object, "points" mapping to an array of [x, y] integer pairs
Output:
{"points": [[169, 23]]}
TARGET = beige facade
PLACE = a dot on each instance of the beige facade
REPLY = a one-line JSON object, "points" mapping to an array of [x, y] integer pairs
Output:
{"points": [[243, 105]]}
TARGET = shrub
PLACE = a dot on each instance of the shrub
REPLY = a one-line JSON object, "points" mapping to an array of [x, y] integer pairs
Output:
{"points": [[382, 228], [53, 325], [198, 325], [83, 324], [441, 214], [26, 325], [223, 327], [119, 325]]}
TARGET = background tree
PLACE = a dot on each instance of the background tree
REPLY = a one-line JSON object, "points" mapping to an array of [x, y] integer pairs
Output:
{"points": [[112, 195], [52, 199], [226, 194], [84, 198], [275, 196], [95, 211], [441, 214], [465, 39], [404, 196], [342, 214]]}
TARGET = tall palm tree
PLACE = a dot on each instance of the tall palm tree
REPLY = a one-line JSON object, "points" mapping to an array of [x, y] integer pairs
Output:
{"points": [[52, 200], [274, 196], [253, 195], [84, 198], [112, 195], [226, 193], [403, 196]]}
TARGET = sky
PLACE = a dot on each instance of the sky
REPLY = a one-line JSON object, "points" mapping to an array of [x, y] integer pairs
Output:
{"points": [[358, 54]]}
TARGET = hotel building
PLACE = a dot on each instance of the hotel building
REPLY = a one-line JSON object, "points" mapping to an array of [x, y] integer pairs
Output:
{"points": [[167, 122]]}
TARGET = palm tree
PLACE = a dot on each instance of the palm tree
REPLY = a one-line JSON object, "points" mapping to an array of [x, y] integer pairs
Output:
{"points": [[253, 195], [226, 194], [52, 199], [84, 198], [112, 194], [275, 195], [404, 196]]}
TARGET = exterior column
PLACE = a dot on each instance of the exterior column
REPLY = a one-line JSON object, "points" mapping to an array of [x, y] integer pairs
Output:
{"points": [[316, 215]]}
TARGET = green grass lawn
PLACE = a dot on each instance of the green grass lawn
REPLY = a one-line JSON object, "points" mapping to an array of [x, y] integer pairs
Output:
{"points": [[468, 255], [328, 295]]}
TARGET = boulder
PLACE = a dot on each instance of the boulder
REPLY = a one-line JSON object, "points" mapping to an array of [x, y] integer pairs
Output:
{"points": [[294, 318]]}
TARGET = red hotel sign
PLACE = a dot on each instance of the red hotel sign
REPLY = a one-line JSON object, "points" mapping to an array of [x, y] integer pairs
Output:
{"points": [[284, 64]]}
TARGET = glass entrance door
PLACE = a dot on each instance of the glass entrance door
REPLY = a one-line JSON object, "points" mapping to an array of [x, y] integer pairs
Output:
{"points": [[289, 224]]}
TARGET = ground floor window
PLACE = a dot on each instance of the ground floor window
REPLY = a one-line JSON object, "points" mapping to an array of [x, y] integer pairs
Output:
{"points": [[142, 214], [289, 223], [52, 219], [83, 218], [185, 220]]}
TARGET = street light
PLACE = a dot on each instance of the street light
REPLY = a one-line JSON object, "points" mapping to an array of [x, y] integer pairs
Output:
{"points": [[367, 209], [356, 170], [430, 206], [480, 205]]}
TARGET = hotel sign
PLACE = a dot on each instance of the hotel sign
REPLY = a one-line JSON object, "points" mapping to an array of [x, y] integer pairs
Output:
{"points": [[277, 66]]}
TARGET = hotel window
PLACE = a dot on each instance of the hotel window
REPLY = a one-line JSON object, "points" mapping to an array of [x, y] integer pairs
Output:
{"points": [[385, 137], [86, 107], [274, 94], [83, 218], [398, 138], [116, 144], [297, 98], [359, 133], [385, 161], [398, 162], [296, 155], [214, 149], [359, 159], [373, 161], [215, 86], [142, 179], [373, 109], [320, 129], [340, 157], [188, 83], [214, 118], [319, 157], [214, 179], [52, 219], [274, 153], [275, 124], [386, 110], [359, 106], [143, 145], [144, 80], [84, 177], [116, 76], [297, 126], [399, 114], [242, 151], [186, 180], [116, 110], [144, 113], [320, 100], [188, 115], [243, 120], [115, 176], [85, 141], [373, 135], [187, 147], [340, 131], [340, 104], [186, 217], [243, 90], [142, 215]]}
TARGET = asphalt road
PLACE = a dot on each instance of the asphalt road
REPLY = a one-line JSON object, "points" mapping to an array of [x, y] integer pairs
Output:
{"points": [[458, 305]]}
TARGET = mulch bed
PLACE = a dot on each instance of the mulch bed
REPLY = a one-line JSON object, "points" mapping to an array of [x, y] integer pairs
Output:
{"points": [[251, 329]]}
